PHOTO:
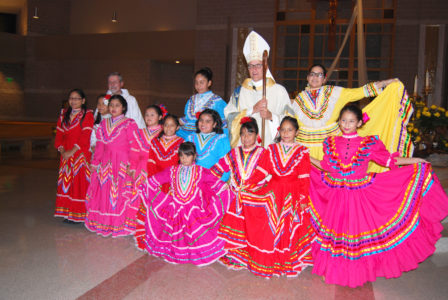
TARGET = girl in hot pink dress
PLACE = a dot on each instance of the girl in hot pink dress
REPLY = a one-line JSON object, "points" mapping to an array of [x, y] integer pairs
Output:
{"points": [[110, 209], [162, 154], [371, 224], [182, 225]]}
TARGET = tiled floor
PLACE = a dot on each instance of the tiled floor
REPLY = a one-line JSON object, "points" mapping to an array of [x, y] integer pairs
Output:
{"points": [[43, 258]]}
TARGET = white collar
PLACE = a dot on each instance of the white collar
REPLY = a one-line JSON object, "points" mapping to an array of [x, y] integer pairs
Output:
{"points": [[124, 92], [350, 136]]}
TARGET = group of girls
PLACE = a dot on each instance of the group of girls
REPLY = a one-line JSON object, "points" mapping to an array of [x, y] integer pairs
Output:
{"points": [[277, 215]]}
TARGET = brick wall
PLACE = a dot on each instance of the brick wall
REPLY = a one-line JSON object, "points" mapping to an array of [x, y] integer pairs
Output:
{"points": [[48, 83]]}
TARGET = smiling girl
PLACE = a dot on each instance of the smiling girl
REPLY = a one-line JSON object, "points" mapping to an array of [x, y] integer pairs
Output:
{"points": [[210, 141], [73, 142], [203, 99], [110, 208], [183, 224], [160, 154], [371, 224], [278, 232]]}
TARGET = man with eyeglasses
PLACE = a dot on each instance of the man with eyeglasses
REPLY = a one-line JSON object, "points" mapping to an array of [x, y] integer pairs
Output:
{"points": [[115, 84], [247, 99]]}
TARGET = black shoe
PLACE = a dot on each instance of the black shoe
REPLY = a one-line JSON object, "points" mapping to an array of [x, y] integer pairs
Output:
{"points": [[67, 221]]}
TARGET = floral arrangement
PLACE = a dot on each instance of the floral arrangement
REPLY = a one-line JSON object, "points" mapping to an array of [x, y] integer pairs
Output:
{"points": [[429, 127]]}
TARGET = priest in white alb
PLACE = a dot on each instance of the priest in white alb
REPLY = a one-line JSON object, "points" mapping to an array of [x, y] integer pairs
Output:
{"points": [[247, 99]]}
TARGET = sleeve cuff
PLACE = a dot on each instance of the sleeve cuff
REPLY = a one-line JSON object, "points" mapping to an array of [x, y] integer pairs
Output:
{"points": [[391, 161]]}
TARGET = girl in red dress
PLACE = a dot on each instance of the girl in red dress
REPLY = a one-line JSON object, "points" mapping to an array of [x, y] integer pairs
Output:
{"points": [[278, 232], [73, 142], [241, 162], [162, 153]]}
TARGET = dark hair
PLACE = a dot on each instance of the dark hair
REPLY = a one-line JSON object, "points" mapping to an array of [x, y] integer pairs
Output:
{"points": [[157, 109], [251, 126], [353, 108], [206, 72], [291, 120], [66, 119], [187, 148], [98, 115], [320, 66], [168, 116], [123, 102], [216, 119]]}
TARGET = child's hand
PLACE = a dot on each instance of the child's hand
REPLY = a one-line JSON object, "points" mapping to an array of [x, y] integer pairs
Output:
{"points": [[131, 173], [303, 206], [67, 154], [418, 160]]}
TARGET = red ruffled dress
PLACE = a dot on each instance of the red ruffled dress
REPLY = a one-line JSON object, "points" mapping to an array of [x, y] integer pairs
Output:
{"points": [[278, 233], [74, 174], [241, 164]]}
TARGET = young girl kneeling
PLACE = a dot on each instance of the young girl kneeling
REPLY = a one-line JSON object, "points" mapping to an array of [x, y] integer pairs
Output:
{"points": [[182, 225]]}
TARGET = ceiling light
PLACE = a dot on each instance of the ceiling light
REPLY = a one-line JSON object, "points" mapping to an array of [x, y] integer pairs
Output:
{"points": [[35, 16]]}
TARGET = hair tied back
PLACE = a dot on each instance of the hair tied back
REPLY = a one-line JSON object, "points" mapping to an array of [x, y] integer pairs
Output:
{"points": [[365, 118]]}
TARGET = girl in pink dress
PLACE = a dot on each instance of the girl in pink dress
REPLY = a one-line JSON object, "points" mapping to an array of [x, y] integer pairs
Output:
{"points": [[371, 224], [110, 209], [73, 141], [162, 154], [182, 225], [143, 137], [153, 119]]}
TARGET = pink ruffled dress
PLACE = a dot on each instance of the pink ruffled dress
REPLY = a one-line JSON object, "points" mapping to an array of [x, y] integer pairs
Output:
{"points": [[372, 224], [111, 210], [182, 225]]}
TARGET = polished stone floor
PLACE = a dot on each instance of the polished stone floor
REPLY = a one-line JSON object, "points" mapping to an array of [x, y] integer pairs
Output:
{"points": [[43, 258]]}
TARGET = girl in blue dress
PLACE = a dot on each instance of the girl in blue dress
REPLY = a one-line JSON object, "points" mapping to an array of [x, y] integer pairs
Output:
{"points": [[203, 99], [210, 141]]}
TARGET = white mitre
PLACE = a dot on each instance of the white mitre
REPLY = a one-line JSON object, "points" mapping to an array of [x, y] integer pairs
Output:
{"points": [[253, 49]]}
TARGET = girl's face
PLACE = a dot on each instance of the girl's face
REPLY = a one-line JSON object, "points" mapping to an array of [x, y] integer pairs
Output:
{"points": [[151, 117], [170, 127], [288, 132], [187, 160], [349, 123], [102, 108], [201, 84], [206, 123], [248, 139], [75, 100], [316, 78], [115, 108]]}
